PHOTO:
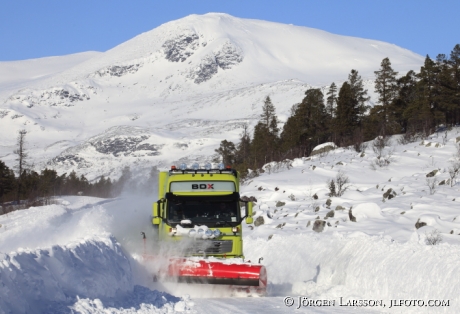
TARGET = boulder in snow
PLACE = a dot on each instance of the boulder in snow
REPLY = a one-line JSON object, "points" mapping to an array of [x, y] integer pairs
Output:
{"points": [[323, 148], [259, 221], [319, 225], [432, 173]]}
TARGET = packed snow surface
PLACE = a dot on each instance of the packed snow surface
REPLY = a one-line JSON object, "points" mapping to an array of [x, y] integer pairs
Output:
{"points": [[83, 254]]}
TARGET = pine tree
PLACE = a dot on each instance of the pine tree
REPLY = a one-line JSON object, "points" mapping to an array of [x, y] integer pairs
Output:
{"points": [[454, 63], [47, 182], [331, 100], [243, 147], [227, 151], [346, 119], [429, 90], [386, 87], [406, 95], [260, 151], [21, 160], [290, 137], [265, 143], [314, 116], [359, 95], [268, 112], [7, 182]]}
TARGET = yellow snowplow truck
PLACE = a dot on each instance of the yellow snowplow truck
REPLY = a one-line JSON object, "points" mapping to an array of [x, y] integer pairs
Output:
{"points": [[198, 210]]}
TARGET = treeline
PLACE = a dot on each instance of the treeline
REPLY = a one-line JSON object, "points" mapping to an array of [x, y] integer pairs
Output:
{"points": [[412, 105], [32, 188]]}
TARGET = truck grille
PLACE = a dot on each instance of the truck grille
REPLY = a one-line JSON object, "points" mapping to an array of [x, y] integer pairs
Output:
{"points": [[212, 247]]}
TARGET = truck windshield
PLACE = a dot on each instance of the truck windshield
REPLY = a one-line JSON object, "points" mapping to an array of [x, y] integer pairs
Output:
{"points": [[213, 212]]}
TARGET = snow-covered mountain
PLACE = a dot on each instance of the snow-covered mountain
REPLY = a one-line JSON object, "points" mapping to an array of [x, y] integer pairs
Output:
{"points": [[175, 92]]}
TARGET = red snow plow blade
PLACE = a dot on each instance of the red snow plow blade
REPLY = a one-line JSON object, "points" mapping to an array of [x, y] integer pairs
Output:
{"points": [[218, 273]]}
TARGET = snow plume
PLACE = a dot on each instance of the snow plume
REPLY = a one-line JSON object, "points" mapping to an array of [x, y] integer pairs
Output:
{"points": [[160, 255], [138, 182]]}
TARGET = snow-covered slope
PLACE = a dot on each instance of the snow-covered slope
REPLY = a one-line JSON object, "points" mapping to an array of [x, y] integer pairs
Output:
{"points": [[82, 255], [18, 74], [193, 81]]}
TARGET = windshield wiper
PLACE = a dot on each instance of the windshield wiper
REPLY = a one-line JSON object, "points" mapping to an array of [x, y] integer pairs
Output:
{"points": [[224, 222]]}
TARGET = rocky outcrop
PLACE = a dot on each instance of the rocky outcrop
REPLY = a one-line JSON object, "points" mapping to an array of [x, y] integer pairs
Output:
{"points": [[206, 70], [70, 161], [55, 97], [227, 57], [118, 70], [181, 47]]}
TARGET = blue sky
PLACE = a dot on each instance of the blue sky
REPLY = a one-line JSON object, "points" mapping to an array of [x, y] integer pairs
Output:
{"points": [[33, 28]]}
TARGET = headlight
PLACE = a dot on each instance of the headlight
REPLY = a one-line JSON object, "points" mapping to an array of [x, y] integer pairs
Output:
{"points": [[208, 233], [200, 233], [183, 166], [216, 233], [192, 233]]}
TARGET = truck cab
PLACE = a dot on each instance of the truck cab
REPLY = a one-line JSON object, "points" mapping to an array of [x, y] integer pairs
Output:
{"points": [[202, 209]]}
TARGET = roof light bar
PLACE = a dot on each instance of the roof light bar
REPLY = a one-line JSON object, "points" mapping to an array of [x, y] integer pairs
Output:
{"points": [[195, 169]]}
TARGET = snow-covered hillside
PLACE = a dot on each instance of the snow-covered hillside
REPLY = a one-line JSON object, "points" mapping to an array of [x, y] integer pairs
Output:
{"points": [[83, 254], [180, 88]]}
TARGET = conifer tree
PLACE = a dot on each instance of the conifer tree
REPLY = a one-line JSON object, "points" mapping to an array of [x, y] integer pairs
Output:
{"points": [[7, 182], [243, 147], [227, 151], [346, 119], [406, 94], [454, 63], [359, 95], [331, 99], [21, 160], [260, 151], [386, 87], [313, 112], [268, 112], [290, 137], [265, 143], [429, 91]]}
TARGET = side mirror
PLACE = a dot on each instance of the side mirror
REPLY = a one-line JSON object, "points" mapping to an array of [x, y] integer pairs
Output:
{"points": [[156, 219], [249, 219]]}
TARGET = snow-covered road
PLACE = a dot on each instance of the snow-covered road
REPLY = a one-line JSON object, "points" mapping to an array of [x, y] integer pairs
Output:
{"points": [[81, 257]]}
